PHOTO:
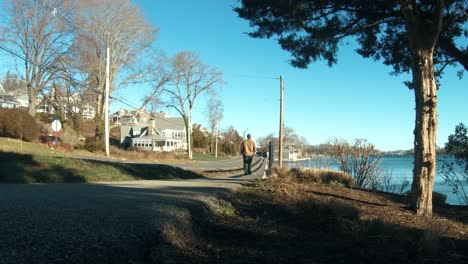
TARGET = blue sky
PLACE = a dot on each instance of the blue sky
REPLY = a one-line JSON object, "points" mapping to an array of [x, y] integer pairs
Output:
{"points": [[355, 98]]}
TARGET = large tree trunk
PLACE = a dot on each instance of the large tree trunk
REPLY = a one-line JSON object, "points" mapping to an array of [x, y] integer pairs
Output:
{"points": [[100, 105], [189, 137], [31, 101], [423, 34], [188, 132], [425, 92]]}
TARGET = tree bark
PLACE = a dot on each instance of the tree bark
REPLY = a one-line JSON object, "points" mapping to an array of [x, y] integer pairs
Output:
{"points": [[189, 134], [423, 35], [31, 100], [425, 91]]}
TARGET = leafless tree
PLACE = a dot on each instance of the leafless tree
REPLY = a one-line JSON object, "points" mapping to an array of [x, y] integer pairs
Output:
{"points": [[191, 79], [159, 74], [119, 25], [360, 160], [214, 114], [38, 36], [12, 84], [264, 141], [293, 138]]}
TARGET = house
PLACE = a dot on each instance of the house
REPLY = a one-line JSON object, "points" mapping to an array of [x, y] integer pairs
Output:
{"points": [[130, 117], [116, 118], [13, 99], [290, 149], [161, 134], [201, 128], [89, 112], [9, 102]]}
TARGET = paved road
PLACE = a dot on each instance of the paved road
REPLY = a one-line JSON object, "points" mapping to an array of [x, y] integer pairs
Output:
{"points": [[232, 163], [96, 223]]}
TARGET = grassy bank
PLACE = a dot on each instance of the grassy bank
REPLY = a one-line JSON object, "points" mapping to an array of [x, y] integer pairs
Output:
{"points": [[22, 162], [312, 217]]}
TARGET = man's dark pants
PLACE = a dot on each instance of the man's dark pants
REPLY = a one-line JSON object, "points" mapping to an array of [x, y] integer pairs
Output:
{"points": [[247, 164]]}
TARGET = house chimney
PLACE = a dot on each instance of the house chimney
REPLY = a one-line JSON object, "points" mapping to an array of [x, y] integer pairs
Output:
{"points": [[151, 127]]}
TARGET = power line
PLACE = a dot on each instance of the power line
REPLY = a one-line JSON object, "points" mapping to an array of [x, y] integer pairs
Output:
{"points": [[68, 78], [249, 76], [121, 100]]}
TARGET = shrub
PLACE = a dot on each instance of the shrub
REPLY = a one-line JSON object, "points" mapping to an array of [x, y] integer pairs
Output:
{"points": [[314, 176], [454, 169], [16, 123], [93, 145], [438, 198], [70, 137], [329, 176], [359, 159], [45, 117]]}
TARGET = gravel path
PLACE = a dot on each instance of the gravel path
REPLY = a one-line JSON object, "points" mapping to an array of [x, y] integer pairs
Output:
{"points": [[94, 223]]}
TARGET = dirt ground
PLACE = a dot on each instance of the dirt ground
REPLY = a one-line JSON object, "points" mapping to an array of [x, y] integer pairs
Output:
{"points": [[314, 223]]}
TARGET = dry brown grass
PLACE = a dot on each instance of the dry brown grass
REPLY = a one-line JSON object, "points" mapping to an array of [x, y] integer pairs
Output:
{"points": [[145, 155], [292, 184], [293, 217]]}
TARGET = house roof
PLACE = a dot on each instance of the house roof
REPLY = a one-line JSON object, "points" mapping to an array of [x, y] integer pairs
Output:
{"points": [[151, 137], [9, 99], [173, 123]]}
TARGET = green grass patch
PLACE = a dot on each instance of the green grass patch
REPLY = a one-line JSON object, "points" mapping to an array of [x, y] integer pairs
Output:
{"points": [[18, 146], [27, 168], [23, 162]]}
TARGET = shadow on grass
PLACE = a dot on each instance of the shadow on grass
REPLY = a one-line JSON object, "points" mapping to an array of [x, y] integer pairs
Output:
{"points": [[22, 168], [316, 231], [145, 171], [170, 225]]}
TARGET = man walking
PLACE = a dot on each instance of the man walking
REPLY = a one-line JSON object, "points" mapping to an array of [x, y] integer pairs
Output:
{"points": [[248, 151]]}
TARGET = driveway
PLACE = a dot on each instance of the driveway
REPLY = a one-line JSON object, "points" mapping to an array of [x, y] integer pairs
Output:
{"points": [[97, 223]]}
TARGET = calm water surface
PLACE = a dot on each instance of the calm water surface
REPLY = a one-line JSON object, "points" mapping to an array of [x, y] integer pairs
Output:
{"points": [[399, 167]]}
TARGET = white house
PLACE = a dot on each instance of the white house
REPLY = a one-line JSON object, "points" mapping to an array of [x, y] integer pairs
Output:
{"points": [[9, 102], [89, 112], [162, 134], [130, 117]]}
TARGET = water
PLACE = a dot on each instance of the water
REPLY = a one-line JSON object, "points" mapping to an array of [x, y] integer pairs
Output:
{"points": [[400, 168]]}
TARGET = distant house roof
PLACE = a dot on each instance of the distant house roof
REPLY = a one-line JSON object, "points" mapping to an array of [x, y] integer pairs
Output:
{"points": [[173, 123], [155, 137]]}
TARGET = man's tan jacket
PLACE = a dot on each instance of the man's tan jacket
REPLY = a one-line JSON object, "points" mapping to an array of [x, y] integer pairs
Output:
{"points": [[248, 148]]}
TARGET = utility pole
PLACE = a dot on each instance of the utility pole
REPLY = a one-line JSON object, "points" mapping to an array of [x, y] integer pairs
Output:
{"points": [[106, 104], [281, 127], [216, 139]]}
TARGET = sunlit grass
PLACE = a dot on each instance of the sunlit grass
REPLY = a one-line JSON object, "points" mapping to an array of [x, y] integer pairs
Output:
{"points": [[29, 162], [18, 146]]}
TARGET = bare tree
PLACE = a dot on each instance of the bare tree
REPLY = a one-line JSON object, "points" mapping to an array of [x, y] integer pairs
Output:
{"points": [[191, 79], [214, 111], [293, 138], [12, 84], [159, 74], [119, 25], [39, 38], [360, 160]]}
